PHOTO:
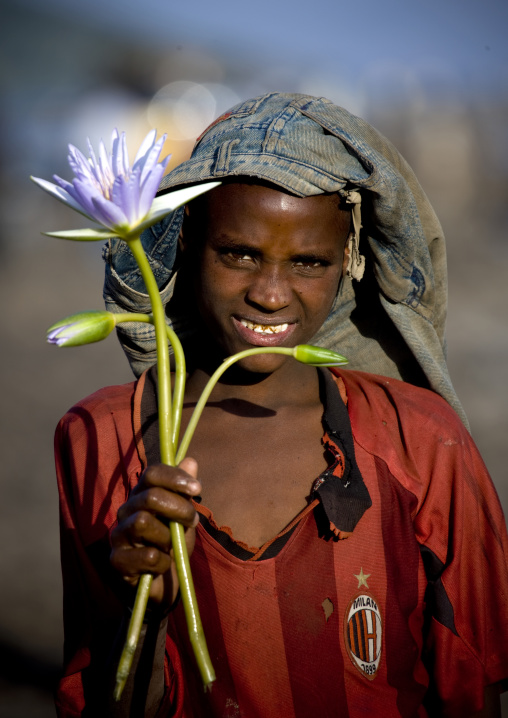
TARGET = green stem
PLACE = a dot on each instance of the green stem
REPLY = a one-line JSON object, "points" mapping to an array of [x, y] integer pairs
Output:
{"points": [[188, 596], [179, 390], [180, 369], [133, 631], [169, 424], [187, 437], [163, 369], [121, 318]]}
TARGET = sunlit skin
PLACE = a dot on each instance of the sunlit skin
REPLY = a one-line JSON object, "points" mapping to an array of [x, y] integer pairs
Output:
{"points": [[256, 256]]}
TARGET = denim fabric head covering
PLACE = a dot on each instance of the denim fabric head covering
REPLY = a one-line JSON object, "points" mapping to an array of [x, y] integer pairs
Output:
{"points": [[392, 322]]}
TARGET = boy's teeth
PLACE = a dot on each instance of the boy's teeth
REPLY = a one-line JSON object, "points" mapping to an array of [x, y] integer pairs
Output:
{"points": [[265, 328]]}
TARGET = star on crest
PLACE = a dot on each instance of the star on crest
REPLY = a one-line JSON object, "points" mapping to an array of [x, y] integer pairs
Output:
{"points": [[362, 578]]}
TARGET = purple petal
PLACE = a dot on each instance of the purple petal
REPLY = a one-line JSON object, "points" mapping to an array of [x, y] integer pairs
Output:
{"points": [[79, 196], [115, 144], [103, 175], [115, 137], [92, 162], [125, 194], [122, 157], [147, 156], [84, 192], [151, 158], [53, 334], [149, 189], [118, 154], [78, 162], [61, 193], [109, 214], [146, 146], [54, 338], [62, 183], [164, 163], [105, 169]]}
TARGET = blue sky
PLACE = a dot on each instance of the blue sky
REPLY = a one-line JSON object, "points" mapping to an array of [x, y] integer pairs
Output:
{"points": [[462, 40], [370, 57]]}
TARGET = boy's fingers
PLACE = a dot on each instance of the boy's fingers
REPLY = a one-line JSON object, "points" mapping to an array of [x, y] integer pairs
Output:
{"points": [[142, 527], [190, 466], [132, 562], [180, 479], [160, 502]]}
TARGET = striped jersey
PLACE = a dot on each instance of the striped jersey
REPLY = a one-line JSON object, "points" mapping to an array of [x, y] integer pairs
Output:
{"points": [[386, 600]]}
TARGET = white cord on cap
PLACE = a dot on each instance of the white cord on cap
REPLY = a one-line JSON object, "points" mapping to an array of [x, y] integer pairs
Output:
{"points": [[356, 261]]}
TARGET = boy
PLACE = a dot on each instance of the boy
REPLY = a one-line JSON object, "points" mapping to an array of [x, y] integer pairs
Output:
{"points": [[345, 537]]}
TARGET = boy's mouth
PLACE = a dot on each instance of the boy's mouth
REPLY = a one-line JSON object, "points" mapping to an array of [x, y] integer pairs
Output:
{"points": [[261, 334], [265, 328]]}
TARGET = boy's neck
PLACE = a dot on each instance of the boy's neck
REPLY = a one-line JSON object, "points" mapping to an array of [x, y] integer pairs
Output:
{"points": [[292, 383]]}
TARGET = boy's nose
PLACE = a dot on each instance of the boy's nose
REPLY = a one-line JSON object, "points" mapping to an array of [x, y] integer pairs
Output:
{"points": [[270, 289]]}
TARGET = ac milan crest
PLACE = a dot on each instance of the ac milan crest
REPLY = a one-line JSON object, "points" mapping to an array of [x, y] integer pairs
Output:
{"points": [[363, 632]]}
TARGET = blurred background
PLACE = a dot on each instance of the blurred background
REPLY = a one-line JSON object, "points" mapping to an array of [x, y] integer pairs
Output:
{"points": [[432, 77]]}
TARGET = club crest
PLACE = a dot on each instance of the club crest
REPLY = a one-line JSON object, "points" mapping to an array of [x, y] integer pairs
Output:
{"points": [[363, 632]]}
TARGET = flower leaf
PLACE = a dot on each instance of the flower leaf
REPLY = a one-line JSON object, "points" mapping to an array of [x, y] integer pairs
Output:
{"points": [[84, 235], [172, 200]]}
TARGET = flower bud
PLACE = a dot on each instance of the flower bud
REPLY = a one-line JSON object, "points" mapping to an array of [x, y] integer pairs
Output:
{"points": [[318, 356], [82, 328]]}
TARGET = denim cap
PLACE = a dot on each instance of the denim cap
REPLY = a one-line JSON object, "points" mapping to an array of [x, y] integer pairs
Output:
{"points": [[392, 322]]}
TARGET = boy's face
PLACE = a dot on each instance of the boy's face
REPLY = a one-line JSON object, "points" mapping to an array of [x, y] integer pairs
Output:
{"points": [[267, 266]]}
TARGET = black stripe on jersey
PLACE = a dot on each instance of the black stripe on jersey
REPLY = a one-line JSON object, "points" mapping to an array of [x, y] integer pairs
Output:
{"points": [[437, 602]]}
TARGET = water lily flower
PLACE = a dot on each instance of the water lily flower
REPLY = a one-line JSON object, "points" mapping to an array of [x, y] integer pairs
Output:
{"points": [[118, 197], [121, 199], [82, 328]]}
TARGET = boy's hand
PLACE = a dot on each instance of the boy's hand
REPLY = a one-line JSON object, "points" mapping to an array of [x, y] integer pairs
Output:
{"points": [[141, 541]]}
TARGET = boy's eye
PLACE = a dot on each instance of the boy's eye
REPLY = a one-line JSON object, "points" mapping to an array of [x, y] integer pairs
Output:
{"points": [[310, 266], [238, 257]]}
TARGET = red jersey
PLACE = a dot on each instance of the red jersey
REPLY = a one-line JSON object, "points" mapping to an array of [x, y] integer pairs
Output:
{"points": [[414, 594]]}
